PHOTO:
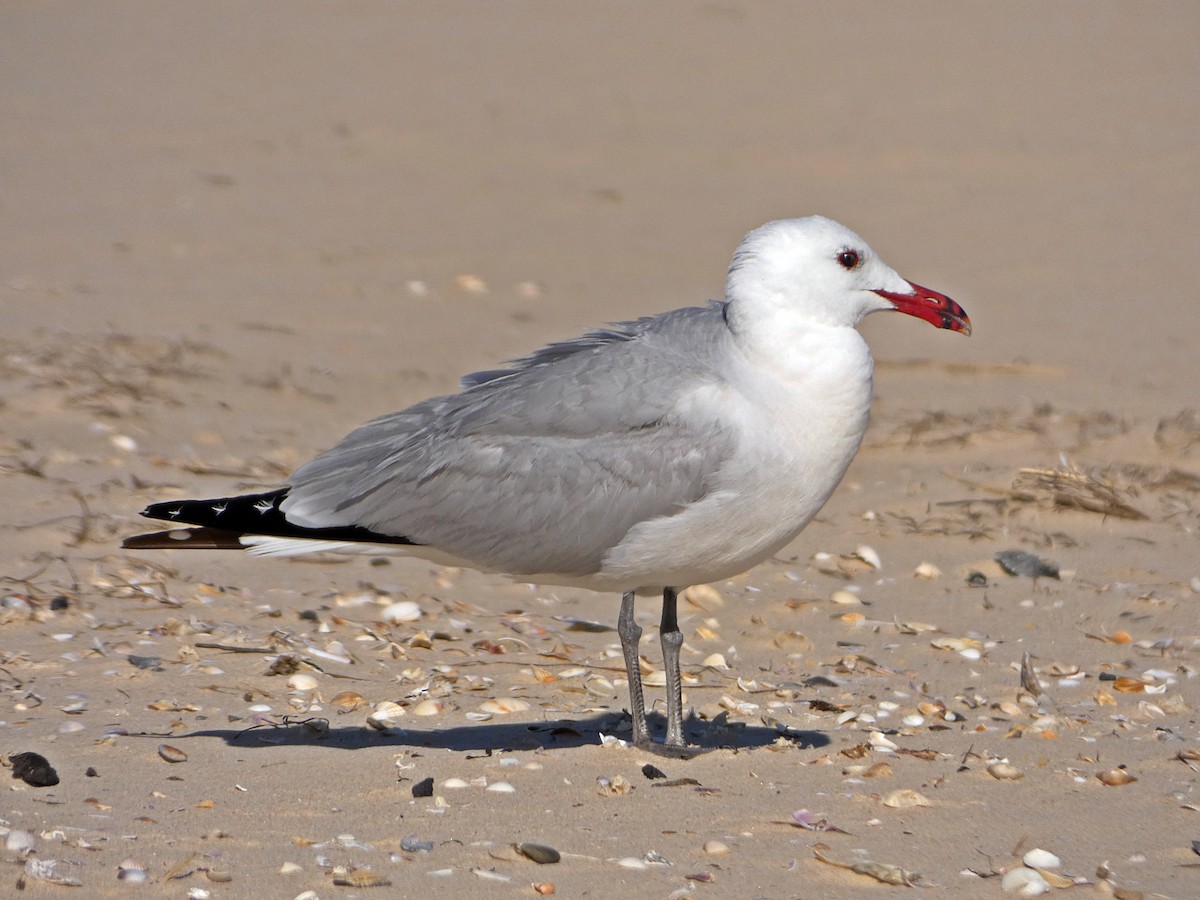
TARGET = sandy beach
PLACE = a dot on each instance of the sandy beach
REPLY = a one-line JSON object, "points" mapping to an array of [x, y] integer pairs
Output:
{"points": [[232, 232]]}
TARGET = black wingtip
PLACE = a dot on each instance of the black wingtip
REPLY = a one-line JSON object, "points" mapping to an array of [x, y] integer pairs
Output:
{"points": [[219, 521]]}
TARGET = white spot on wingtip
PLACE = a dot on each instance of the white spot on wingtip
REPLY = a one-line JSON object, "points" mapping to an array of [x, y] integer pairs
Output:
{"points": [[264, 506], [219, 508], [174, 513]]}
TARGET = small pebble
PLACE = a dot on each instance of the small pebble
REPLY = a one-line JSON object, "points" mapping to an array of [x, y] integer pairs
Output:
{"points": [[34, 769], [423, 788], [540, 853]]}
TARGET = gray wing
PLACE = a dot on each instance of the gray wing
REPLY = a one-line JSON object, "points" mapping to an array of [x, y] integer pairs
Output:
{"points": [[543, 467]]}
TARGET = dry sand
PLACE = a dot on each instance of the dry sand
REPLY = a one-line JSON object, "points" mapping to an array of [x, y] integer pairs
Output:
{"points": [[233, 231]]}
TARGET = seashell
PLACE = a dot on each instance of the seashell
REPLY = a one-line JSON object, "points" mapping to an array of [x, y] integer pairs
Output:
{"points": [[545, 888], [1038, 858], [1005, 771], [913, 721], [704, 596], [906, 798], [501, 787], [302, 681], [1009, 708], [382, 718], [878, 742], [290, 868], [716, 661], [843, 597], [1115, 777], [878, 770], [1127, 685], [503, 706], [400, 612], [934, 710], [348, 701], [490, 874], [219, 875], [470, 284], [599, 686], [133, 871], [632, 862], [19, 842], [455, 784], [539, 853], [429, 707], [928, 571], [740, 707], [171, 754], [869, 556], [1024, 882], [361, 878], [716, 848]]}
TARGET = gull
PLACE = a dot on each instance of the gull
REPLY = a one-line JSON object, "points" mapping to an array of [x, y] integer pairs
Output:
{"points": [[677, 449]]}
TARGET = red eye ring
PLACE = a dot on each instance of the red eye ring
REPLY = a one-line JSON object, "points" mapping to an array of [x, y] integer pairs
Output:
{"points": [[848, 259]]}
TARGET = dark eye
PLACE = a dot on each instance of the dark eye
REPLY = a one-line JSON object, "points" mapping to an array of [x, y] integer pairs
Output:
{"points": [[848, 259]]}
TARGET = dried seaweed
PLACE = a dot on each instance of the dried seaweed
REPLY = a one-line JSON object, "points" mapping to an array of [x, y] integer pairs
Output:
{"points": [[1070, 487]]}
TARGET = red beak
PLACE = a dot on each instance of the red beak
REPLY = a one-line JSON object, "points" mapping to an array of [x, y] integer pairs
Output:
{"points": [[931, 306]]}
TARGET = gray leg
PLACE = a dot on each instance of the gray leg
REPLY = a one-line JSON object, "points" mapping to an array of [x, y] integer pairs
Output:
{"points": [[672, 640], [630, 634]]}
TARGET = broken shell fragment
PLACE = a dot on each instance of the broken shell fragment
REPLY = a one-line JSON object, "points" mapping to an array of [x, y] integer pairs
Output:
{"points": [[906, 799], [503, 706], [1115, 777]]}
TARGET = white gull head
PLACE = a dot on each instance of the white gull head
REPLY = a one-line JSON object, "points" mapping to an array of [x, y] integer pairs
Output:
{"points": [[799, 273]]}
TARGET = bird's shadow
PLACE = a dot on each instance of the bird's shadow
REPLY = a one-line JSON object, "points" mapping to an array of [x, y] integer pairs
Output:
{"points": [[503, 736]]}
